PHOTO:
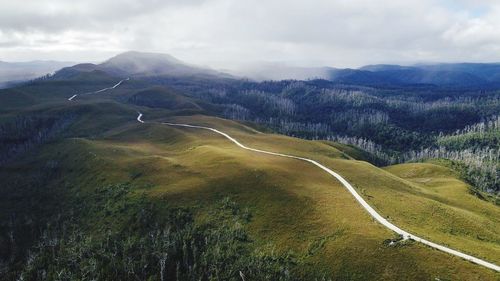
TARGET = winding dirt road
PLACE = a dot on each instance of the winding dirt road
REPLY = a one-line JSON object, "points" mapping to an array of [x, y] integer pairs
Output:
{"points": [[99, 91], [348, 186]]}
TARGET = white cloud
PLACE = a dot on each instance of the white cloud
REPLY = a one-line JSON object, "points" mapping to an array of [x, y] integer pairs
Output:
{"points": [[226, 33]]}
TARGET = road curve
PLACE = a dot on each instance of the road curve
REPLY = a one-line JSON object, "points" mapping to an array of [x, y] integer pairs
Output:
{"points": [[353, 191], [101, 90]]}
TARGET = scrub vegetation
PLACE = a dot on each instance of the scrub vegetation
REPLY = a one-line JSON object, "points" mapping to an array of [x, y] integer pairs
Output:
{"points": [[89, 193]]}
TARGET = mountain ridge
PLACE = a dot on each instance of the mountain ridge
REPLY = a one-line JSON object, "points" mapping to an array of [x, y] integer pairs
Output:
{"points": [[146, 64], [133, 63]]}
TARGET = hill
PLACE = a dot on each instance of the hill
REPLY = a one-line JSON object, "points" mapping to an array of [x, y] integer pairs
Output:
{"points": [[485, 71], [160, 97], [452, 75], [107, 197], [141, 64]]}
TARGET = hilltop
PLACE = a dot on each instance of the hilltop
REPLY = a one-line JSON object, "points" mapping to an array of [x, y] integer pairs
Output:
{"points": [[134, 63]]}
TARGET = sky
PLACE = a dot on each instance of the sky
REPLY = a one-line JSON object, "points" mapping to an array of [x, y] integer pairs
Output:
{"points": [[228, 34]]}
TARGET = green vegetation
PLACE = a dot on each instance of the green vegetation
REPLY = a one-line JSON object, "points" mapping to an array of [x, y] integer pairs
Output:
{"points": [[151, 243], [440, 201], [106, 197], [395, 124]]}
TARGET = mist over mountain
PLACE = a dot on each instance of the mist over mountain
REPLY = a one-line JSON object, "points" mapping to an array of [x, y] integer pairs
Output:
{"points": [[475, 74], [134, 63], [456, 75], [280, 71], [14, 72]]}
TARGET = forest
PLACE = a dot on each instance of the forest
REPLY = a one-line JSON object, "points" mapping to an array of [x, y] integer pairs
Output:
{"points": [[396, 124], [60, 225]]}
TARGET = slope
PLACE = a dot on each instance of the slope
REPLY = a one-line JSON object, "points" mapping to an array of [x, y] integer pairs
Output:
{"points": [[297, 210]]}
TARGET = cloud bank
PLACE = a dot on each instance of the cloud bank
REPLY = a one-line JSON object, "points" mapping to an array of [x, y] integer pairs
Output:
{"points": [[229, 34]]}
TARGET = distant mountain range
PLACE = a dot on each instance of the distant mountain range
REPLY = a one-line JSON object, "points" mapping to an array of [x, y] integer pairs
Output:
{"points": [[12, 72], [458, 75], [451, 75]]}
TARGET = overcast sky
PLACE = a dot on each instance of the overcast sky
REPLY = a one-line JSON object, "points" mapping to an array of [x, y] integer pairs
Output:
{"points": [[228, 33]]}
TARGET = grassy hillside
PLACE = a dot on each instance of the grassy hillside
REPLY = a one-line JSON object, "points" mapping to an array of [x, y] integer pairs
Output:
{"points": [[296, 209], [446, 213], [209, 208], [442, 205]]}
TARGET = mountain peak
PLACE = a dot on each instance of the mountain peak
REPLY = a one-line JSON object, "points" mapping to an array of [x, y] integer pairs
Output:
{"points": [[137, 57], [133, 63]]}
